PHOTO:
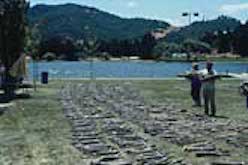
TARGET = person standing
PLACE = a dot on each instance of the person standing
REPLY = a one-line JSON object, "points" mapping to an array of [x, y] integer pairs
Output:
{"points": [[208, 88], [244, 91], [2, 72], [195, 85], [247, 100]]}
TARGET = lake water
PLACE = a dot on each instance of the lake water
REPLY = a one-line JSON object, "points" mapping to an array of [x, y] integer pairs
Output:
{"points": [[125, 69]]}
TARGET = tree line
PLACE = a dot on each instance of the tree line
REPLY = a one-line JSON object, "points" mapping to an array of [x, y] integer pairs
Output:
{"points": [[229, 41], [66, 48], [146, 47]]}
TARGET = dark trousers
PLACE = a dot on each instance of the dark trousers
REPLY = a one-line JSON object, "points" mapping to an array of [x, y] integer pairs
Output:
{"points": [[209, 101], [247, 102], [196, 95]]}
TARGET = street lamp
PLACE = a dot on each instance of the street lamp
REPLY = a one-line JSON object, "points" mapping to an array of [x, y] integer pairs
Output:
{"points": [[36, 39], [91, 47], [190, 15]]}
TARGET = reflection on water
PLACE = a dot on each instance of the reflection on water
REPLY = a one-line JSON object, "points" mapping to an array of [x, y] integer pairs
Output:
{"points": [[120, 69]]}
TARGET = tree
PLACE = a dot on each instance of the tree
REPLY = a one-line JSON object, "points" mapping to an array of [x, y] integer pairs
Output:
{"points": [[210, 38], [224, 41], [60, 45], [33, 39], [12, 35], [194, 46], [229, 41], [240, 40], [147, 44]]}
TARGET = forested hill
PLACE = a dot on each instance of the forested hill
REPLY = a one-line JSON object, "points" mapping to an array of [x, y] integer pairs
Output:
{"points": [[198, 29], [80, 21]]}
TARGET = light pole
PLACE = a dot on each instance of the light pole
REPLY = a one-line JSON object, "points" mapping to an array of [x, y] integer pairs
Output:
{"points": [[190, 15], [92, 68], [36, 38], [90, 47]]}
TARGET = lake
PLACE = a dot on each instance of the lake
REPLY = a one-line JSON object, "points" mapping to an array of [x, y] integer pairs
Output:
{"points": [[125, 69]]}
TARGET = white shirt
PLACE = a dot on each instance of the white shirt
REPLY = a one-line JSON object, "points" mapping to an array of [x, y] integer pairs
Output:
{"points": [[205, 72]]}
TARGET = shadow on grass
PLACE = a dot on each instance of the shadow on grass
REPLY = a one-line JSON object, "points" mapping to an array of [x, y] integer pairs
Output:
{"points": [[1, 112], [22, 96], [221, 117], [6, 99]]}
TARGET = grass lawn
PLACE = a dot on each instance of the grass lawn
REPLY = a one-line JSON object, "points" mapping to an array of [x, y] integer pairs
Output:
{"points": [[230, 106], [229, 102], [35, 131]]}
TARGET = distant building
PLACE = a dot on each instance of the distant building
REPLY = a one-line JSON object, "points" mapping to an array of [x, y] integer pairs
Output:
{"points": [[162, 33], [134, 58], [180, 55], [159, 33]]}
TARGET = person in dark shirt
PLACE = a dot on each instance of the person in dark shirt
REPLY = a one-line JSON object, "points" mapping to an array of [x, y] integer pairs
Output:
{"points": [[2, 72], [195, 85], [244, 91]]}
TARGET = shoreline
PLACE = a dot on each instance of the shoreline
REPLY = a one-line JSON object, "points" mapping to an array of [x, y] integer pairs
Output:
{"points": [[245, 60], [128, 79]]}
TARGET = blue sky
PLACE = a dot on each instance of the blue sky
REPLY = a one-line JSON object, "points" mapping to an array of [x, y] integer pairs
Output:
{"points": [[166, 10]]}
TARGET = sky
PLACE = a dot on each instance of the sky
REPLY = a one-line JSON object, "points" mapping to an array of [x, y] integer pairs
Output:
{"points": [[165, 10]]}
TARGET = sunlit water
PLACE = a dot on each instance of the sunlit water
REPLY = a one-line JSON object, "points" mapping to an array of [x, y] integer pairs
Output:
{"points": [[124, 69]]}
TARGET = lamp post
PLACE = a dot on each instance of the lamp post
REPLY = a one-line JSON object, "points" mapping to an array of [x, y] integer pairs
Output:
{"points": [[36, 39], [190, 15], [92, 68], [90, 47]]}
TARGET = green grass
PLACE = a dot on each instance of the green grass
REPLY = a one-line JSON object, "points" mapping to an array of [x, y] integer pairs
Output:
{"points": [[229, 102], [35, 131], [230, 105]]}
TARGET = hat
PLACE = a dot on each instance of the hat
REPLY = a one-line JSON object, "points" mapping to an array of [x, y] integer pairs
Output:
{"points": [[210, 63], [195, 64]]}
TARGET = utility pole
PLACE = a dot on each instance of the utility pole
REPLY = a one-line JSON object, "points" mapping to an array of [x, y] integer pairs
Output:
{"points": [[190, 15], [36, 39]]}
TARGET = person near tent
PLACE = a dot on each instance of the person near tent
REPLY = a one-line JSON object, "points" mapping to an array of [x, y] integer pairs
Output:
{"points": [[19, 69]]}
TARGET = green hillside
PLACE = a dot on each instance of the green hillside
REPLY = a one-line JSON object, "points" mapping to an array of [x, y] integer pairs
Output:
{"points": [[198, 29], [80, 21]]}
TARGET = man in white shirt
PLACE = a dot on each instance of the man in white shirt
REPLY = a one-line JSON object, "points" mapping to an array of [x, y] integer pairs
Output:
{"points": [[208, 88]]}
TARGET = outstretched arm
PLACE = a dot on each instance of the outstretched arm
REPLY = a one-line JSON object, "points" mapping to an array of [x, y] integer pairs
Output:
{"points": [[210, 77], [187, 76]]}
